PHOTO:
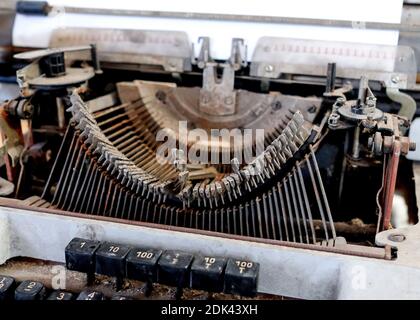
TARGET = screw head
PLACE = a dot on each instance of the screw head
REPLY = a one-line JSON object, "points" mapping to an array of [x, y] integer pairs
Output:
{"points": [[312, 109], [340, 101], [395, 79], [371, 102], [276, 105], [333, 120], [396, 237], [269, 68]]}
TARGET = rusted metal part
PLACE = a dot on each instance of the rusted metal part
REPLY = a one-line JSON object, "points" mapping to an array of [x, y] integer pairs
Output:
{"points": [[390, 181], [390, 141], [5, 158], [390, 127], [37, 74], [21, 108], [168, 106], [13, 144], [118, 161], [352, 230], [169, 49], [385, 137], [217, 97]]}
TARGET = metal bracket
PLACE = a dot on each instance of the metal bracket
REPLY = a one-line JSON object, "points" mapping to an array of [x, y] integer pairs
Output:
{"points": [[238, 54], [204, 55], [408, 104], [394, 66], [57, 72], [217, 96], [168, 49]]}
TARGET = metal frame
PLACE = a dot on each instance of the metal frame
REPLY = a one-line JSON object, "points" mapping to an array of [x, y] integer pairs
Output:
{"points": [[289, 271], [408, 27]]}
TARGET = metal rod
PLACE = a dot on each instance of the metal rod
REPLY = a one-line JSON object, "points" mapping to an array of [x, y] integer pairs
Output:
{"points": [[356, 147], [54, 167], [61, 119], [391, 180], [324, 195], [308, 208], [245, 18], [318, 199]]}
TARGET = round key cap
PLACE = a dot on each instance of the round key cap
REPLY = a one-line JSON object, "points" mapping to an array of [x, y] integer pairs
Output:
{"points": [[30, 290], [6, 288], [60, 295], [90, 295]]}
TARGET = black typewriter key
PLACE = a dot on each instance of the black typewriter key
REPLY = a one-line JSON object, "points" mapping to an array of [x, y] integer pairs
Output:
{"points": [[90, 295], [110, 261], [173, 269], [241, 277], [141, 264], [7, 285], [80, 256], [30, 290], [60, 295], [207, 273]]}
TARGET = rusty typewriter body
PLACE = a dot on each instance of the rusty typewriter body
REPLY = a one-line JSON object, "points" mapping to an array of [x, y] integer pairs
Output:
{"points": [[292, 155]]}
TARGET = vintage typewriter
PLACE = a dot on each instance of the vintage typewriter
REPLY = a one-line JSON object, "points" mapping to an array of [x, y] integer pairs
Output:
{"points": [[137, 166]]}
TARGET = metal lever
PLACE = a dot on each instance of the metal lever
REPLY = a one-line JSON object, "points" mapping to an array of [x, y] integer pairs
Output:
{"points": [[217, 96]]}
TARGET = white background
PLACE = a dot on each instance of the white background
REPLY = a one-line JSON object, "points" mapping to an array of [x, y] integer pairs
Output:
{"points": [[32, 31]]}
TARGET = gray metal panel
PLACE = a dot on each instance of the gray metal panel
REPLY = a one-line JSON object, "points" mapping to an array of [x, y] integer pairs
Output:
{"points": [[169, 49], [411, 16], [286, 271], [393, 65]]}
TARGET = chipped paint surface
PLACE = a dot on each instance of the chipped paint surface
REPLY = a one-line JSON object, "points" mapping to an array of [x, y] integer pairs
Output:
{"points": [[286, 271]]}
